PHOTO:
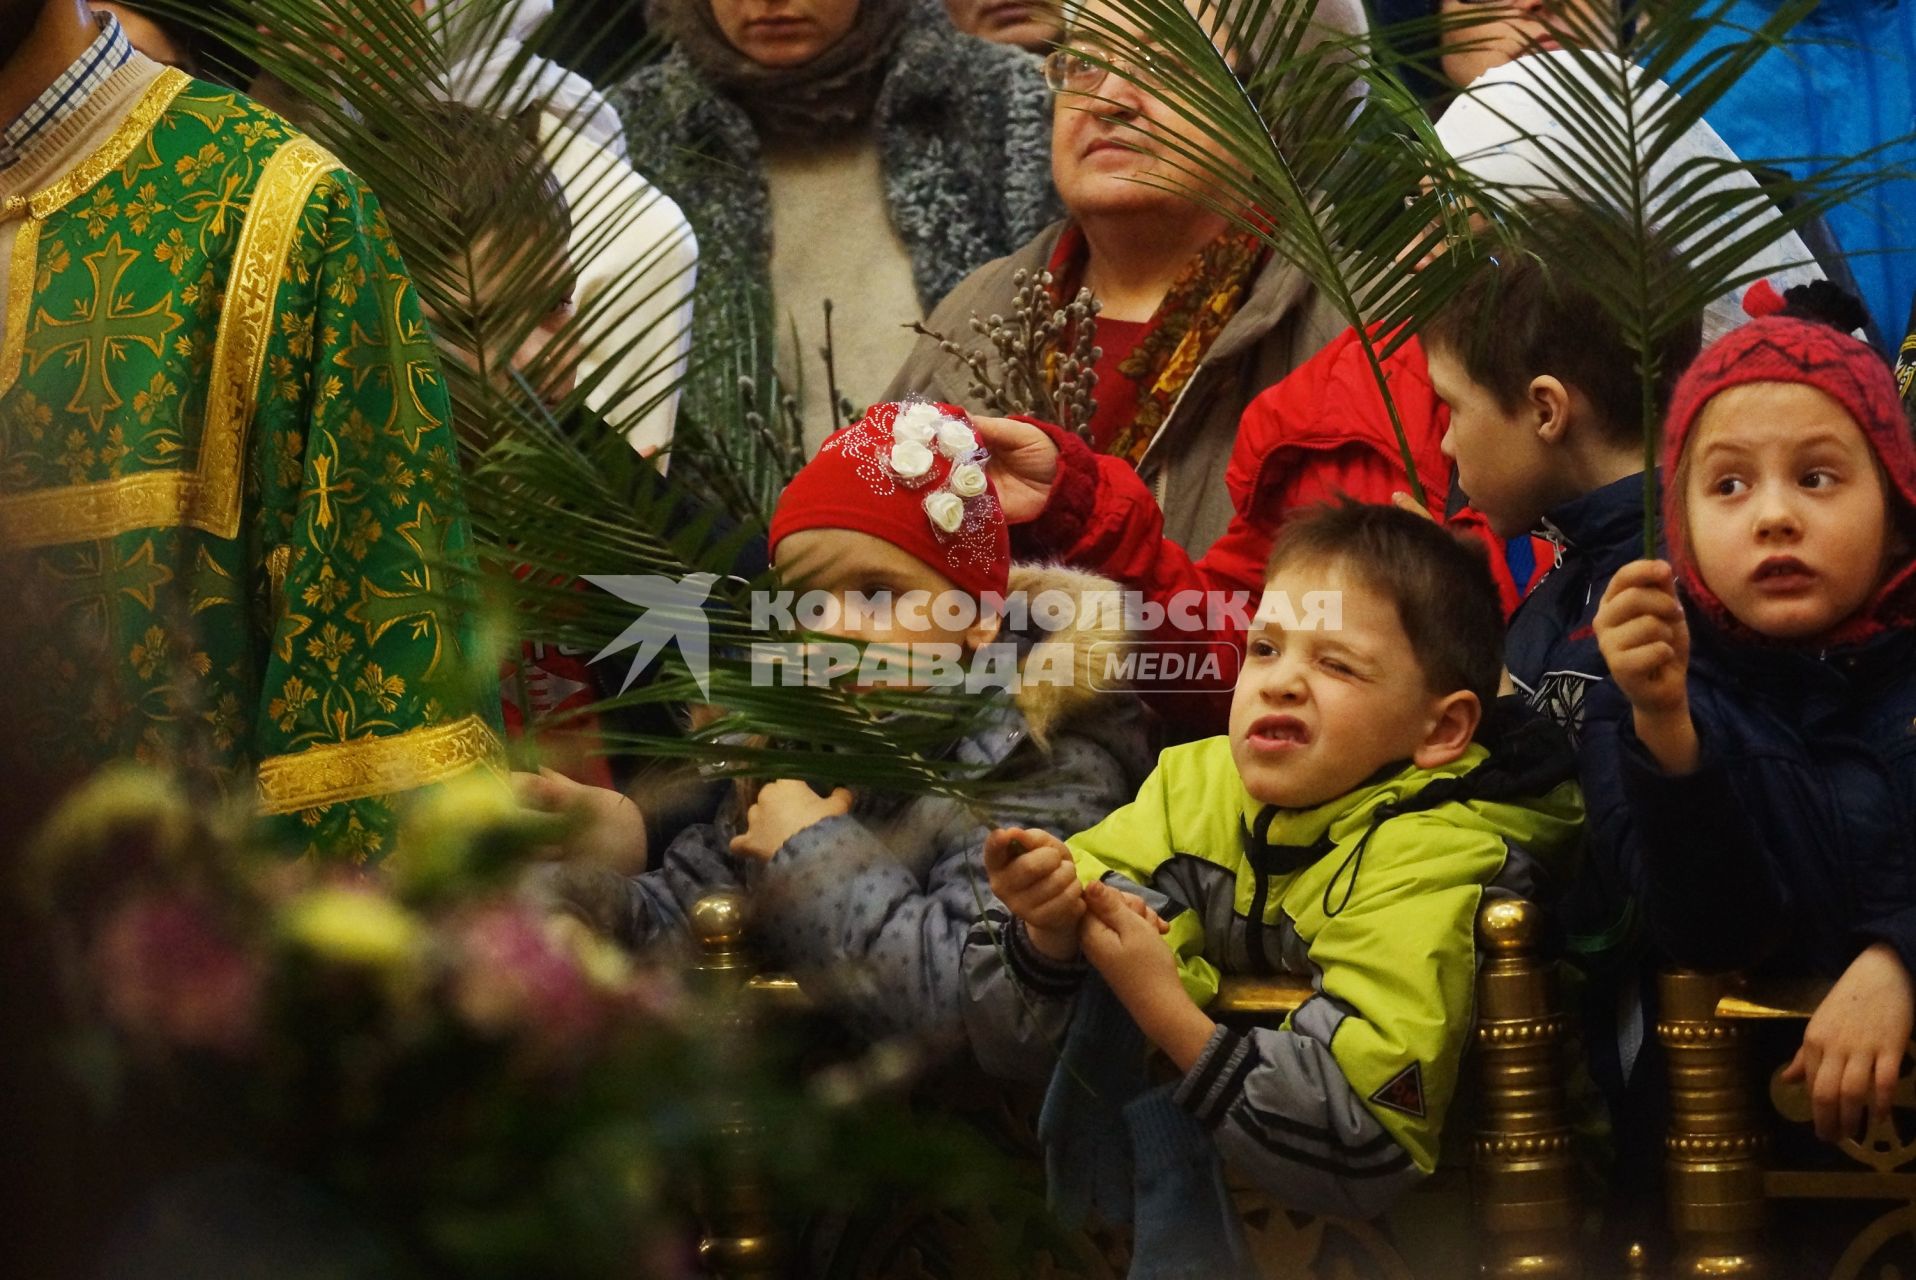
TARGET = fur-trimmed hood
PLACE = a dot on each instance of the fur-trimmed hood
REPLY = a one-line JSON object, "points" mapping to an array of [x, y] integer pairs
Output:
{"points": [[1047, 703]]}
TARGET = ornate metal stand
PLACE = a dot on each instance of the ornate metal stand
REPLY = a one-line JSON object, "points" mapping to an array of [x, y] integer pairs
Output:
{"points": [[1716, 1140], [740, 1240], [1526, 1205]]}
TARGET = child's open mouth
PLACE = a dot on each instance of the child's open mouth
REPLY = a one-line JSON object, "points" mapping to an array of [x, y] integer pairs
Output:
{"points": [[1278, 733], [1783, 575]]}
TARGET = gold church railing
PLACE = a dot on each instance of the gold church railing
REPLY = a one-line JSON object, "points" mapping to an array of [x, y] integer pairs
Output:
{"points": [[1520, 1187], [1723, 1181]]}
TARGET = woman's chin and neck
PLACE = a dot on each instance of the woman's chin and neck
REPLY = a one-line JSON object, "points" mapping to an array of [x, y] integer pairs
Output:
{"points": [[1138, 250]]}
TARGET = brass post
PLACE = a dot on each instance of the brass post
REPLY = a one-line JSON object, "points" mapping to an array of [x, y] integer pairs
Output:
{"points": [[1715, 1143], [740, 1241], [1525, 1199]]}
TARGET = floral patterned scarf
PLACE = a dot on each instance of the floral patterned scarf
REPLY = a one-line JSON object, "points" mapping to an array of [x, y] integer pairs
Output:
{"points": [[1200, 302]]}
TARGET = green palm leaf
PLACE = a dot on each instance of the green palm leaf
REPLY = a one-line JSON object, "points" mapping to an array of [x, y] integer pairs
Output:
{"points": [[553, 501], [1356, 194]]}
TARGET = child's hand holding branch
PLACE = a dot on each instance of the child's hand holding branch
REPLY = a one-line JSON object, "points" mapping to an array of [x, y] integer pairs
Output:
{"points": [[1032, 873], [1124, 941], [607, 828], [1646, 644], [1023, 466]]}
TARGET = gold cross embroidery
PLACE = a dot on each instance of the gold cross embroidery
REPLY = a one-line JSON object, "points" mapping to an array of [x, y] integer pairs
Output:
{"points": [[140, 576], [401, 354], [101, 331], [422, 604], [324, 487]]}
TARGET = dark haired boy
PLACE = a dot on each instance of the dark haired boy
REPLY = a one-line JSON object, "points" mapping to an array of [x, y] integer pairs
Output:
{"points": [[506, 207], [1345, 830], [1546, 430]]}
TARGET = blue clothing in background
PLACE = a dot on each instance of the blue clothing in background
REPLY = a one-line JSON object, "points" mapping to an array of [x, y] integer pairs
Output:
{"points": [[1845, 82]]}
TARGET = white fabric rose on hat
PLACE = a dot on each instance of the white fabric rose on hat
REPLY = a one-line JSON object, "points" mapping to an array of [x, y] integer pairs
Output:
{"points": [[967, 480], [910, 459], [956, 440], [946, 509], [918, 423]]}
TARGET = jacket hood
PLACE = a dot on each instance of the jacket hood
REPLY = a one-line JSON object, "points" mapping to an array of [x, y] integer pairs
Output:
{"points": [[1060, 679], [1785, 349]]}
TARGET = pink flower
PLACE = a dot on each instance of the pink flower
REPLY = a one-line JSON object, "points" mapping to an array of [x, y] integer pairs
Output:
{"points": [[168, 972], [512, 976]]}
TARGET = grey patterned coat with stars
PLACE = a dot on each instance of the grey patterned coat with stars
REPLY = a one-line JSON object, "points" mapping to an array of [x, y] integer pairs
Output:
{"points": [[871, 910]]}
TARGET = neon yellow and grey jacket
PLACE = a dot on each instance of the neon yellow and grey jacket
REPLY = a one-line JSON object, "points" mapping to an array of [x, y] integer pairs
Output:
{"points": [[1373, 896]]}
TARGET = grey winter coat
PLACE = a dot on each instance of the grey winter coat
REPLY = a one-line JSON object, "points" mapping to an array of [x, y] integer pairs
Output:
{"points": [[1282, 324], [872, 911], [964, 138]]}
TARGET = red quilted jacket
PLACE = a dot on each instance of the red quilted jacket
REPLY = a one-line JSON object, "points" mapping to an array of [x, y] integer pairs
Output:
{"points": [[1321, 433]]}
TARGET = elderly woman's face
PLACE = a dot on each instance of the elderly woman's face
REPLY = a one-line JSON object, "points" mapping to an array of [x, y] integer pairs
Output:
{"points": [[1503, 30], [1029, 24], [1098, 154], [784, 33]]}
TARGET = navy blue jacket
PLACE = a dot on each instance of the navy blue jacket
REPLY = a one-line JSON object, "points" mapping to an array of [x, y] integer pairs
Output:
{"points": [[1551, 648], [1551, 651], [1793, 845]]}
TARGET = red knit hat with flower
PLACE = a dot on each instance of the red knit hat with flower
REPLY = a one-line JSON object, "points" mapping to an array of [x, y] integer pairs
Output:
{"points": [[1786, 348], [912, 474]]}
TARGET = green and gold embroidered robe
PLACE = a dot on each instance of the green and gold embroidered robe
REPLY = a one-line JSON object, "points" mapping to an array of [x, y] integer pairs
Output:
{"points": [[228, 483]]}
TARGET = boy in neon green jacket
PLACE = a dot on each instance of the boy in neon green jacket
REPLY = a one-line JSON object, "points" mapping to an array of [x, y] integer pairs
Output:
{"points": [[1346, 829]]}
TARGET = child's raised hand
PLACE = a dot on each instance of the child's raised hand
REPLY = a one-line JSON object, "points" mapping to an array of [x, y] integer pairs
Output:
{"points": [[1644, 638], [783, 809], [608, 830], [1405, 502], [1853, 1050], [1645, 641], [1123, 940], [1032, 873]]}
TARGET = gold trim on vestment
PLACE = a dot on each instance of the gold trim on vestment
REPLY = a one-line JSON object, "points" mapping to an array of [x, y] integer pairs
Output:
{"points": [[339, 771], [278, 560], [20, 281], [246, 325], [110, 155], [210, 496]]}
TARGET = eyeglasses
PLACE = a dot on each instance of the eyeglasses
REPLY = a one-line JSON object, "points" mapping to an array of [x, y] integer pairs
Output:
{"points": [[1069, 70]]}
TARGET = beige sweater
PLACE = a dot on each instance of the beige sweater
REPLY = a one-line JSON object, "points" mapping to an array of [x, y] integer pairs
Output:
{"points": [[49, 157], [832, 237]]}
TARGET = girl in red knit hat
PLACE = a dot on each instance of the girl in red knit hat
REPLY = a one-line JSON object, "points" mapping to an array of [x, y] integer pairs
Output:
{"points": [[877, 902], [1767, 754]]}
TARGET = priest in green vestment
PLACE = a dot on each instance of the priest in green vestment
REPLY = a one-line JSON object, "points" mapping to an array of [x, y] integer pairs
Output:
{"points": [[230, 508]]}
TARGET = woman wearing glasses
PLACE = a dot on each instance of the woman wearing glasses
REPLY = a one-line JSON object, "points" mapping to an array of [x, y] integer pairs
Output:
{"points": [[857, 151], [1197, 316]]}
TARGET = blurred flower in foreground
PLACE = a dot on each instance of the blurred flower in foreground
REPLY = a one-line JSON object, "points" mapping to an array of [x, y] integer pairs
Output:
{"points": [[353, 926], [168, 972], [515, 974]]}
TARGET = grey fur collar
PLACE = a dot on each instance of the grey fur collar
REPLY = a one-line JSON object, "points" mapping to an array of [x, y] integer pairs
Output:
{"points": [[964, 135]]}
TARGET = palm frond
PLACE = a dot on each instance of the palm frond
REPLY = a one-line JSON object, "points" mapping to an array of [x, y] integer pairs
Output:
{"points": [[1326, 153], [555, 494]]}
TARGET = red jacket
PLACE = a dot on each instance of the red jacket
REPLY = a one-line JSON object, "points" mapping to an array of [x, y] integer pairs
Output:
{"points": [[1321, 433]]}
